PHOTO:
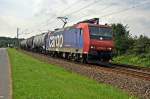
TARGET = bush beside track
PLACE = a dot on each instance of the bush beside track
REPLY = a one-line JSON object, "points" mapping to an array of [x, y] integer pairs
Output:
{"points": [[33, 79], [142, 60]]}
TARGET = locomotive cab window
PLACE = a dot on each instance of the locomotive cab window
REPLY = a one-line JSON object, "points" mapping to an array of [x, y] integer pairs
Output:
{"points": [[100, 32]]}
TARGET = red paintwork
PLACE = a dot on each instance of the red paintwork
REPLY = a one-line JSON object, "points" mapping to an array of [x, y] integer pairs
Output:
{"points": [[102, 45], [86, 37]]}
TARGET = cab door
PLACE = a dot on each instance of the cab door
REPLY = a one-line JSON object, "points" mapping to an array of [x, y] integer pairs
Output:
{"points": [[79, 39]]}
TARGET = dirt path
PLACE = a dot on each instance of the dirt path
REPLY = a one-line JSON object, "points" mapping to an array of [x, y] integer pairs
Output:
{"points": [[5, 80]]}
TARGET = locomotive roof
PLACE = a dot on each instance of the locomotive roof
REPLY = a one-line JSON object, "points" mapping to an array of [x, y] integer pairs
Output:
{"points": [[100, 25], [67, 28], [63, 29]]}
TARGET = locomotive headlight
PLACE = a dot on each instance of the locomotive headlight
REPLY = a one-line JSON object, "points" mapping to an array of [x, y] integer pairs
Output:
{"points": [[110, 48], [92, 47]]}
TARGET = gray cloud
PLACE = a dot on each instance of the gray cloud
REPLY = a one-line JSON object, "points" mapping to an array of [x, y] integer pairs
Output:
{"points": [[64, 1], [36, 15]]}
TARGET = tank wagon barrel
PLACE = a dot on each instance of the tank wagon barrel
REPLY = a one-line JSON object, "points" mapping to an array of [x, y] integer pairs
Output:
{"points": [[30, 43], [23, 44], [39, 42]]}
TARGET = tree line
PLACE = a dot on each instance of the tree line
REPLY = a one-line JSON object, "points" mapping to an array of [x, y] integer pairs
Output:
{"points": [[127, 44], [8, 42]]}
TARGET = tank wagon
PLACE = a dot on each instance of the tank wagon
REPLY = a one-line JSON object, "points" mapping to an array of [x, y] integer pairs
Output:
{"points": [[23, 44], [39, 42], [29, 43], [86, 41]]}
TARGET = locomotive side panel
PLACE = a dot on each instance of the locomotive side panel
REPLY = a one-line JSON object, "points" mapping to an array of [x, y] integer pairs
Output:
{"points": [[68, 40]]}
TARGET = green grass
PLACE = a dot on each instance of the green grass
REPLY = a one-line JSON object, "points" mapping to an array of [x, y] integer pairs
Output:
{"points": [[33, 79], [133, 60]]}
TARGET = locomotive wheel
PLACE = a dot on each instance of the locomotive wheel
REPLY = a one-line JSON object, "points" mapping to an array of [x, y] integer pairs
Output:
{"points": [[66, 55], [84, 59]]}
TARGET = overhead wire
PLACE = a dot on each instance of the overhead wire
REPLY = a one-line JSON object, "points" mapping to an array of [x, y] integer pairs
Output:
{"points": [[84, 7], [54, 18], [120, 11], [105, 8], [90, 4], [124, 10], [78, 10], [70, 6], [64, 10]]}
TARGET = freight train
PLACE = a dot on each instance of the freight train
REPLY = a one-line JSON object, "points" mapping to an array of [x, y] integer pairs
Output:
{"points": [[86, 41]]}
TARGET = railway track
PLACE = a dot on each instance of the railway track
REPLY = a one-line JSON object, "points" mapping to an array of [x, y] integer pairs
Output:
{"points": [[133, 72], [129, 70], [133, 67]]}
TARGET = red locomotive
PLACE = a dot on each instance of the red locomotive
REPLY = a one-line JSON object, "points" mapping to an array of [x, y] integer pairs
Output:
{"points": [[98, 40]]}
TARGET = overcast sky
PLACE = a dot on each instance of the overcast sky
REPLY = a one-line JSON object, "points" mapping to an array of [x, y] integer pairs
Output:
{"points": [[36, 16]]}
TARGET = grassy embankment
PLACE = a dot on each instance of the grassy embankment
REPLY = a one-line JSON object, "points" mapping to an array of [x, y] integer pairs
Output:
{"points": [[133, 60], [33, 79]]}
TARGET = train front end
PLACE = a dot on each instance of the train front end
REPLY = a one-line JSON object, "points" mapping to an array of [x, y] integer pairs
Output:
{"points": [[101, 42], [98, 41]]}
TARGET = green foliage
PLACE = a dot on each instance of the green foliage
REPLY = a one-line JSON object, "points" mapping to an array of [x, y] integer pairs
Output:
{"points": [[125, 44], [122, 38], [5, 42], [141, 45], [139, 60], [130, 50], [33, 79]]}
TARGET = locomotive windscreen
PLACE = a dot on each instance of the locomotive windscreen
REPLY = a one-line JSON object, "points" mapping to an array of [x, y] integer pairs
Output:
{"points": [[100, 33]]}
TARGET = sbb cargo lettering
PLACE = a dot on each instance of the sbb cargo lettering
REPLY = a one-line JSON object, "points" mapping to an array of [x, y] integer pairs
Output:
{"points": [[56, 41]]}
